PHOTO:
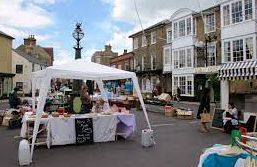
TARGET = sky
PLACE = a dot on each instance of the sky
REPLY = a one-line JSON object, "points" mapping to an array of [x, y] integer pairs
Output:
{"points": [[103, 22]]}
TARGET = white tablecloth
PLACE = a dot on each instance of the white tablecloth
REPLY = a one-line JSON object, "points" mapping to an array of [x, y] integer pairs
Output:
{"points": [[61, 131]]}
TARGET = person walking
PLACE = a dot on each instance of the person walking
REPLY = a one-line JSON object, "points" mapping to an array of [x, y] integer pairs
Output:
{"points": [[14, 100], [204, 107]]}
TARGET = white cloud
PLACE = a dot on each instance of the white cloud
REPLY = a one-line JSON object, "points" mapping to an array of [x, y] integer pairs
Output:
{"points": [[153, 10], [23, 14]]}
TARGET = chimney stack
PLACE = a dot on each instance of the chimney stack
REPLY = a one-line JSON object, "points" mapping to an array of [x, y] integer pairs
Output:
{"points": [[30, 41], [108, 48], [125, 51]]}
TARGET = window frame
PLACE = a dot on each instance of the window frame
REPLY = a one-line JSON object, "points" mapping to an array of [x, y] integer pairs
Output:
{"points": [[211, 47], [19, 69], [182, 28], [236, 14], [226, 15], [248, 8], [135, 43], [153, 61], [185, 83], [167, 57], [153, 37], [169, 35], [144, 41], [20, 87], [208, 23]]}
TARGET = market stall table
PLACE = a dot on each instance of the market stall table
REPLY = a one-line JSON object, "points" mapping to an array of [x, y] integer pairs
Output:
{"points": [[62, 131]]}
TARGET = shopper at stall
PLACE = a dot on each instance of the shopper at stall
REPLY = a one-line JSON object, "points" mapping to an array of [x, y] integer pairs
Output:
{"points": [[204, 107], [230, 118], [99, 106], [85, 99], [14, 100]]}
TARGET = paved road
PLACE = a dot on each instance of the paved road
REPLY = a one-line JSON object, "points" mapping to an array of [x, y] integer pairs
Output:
{"points": [[179, 144]]}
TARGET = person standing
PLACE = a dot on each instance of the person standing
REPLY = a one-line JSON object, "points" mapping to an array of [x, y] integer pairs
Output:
{"points": [[204, 107], [85, 99], [14, 101]]}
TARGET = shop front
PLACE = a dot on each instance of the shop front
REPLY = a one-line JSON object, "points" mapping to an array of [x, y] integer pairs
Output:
{"points": [[239, 85]]}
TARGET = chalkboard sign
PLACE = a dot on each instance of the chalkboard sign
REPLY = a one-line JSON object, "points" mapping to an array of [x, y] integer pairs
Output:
{"points": [[84, 130], [217, 121]]}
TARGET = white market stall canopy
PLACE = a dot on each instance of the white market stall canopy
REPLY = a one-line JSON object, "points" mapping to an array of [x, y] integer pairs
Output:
{"points": [[77, 69]]}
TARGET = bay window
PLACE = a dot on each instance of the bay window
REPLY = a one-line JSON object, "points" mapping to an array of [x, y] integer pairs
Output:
{"points": [[189, 85], [183, 58], [182, 84]]}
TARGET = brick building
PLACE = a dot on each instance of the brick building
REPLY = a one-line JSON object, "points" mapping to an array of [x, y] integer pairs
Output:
{"points": [[124, 61], [148, 56], [104, 57], [207, 52]]}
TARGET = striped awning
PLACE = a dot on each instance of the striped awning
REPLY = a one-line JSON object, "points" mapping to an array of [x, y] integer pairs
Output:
{"points": [[238, 70]]}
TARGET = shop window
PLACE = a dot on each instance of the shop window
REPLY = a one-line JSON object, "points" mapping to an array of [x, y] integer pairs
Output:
{"points": [[19, 69]]}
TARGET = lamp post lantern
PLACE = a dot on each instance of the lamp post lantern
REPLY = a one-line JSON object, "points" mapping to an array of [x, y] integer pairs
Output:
{"points": [[77, 34]]}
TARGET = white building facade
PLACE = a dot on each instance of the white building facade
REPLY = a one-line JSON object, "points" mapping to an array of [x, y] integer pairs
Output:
{"points": [[238, 43], [182, 51], [23, 65]]}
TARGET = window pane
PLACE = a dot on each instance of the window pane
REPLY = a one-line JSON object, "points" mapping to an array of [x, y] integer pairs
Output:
{"points": [[227, 51], [189, 58], [182, 84], [237, 12], [167, 55], [176, 61], [189, 85], [144, 41], [226, 15], [135, 42], [211, 54], [19, 69], [189, 26], [238, 53], [249, 48], [210, 23], [182, 58], [175, 30], [248, 9], [153, 37], [182, 28]]}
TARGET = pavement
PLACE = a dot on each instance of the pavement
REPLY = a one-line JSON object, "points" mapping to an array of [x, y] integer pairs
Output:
{"points": [[179, 143]]}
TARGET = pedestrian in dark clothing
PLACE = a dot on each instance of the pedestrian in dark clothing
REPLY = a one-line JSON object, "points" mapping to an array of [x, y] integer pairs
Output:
{"points": [[14, 101], [204, 107]]}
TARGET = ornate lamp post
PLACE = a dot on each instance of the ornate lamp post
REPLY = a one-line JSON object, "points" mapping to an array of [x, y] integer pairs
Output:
{"points": [[77, 34]]}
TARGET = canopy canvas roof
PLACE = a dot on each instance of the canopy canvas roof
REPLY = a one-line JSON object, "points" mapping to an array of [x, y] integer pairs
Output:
{"points": [[77, 69]]}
